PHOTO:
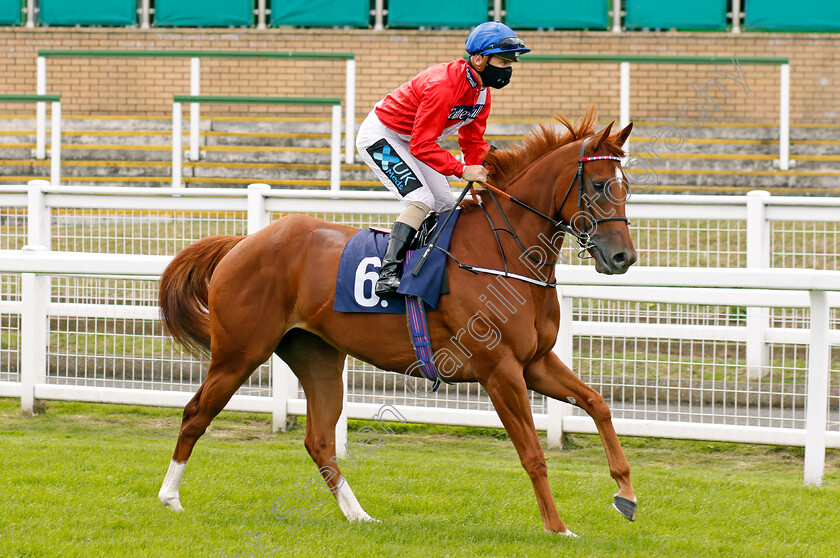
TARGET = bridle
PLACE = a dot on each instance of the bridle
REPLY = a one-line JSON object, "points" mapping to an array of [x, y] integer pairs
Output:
{"points": [[583, 236]]}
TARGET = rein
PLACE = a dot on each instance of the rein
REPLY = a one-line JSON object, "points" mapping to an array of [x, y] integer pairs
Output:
{"points": [[583, 237]]}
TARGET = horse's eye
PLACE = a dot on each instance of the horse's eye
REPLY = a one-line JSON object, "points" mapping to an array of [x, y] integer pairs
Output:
{"points": [[598, 186]]}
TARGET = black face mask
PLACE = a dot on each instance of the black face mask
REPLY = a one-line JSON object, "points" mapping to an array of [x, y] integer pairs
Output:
{"points": [[495, 77]]}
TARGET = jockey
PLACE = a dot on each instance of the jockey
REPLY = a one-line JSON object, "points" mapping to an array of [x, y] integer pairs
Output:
{"points": [[400, 137]]}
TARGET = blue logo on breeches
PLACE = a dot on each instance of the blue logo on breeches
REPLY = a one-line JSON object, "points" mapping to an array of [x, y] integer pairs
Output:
{"points": [[386, 157]]}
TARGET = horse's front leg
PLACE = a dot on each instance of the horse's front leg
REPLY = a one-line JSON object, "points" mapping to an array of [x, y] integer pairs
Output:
{"points": [[549, 376], [506, 388]]}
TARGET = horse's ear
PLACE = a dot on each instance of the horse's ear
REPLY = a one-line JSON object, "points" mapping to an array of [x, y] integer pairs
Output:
{"points": [[605, 133], [623, 135]]}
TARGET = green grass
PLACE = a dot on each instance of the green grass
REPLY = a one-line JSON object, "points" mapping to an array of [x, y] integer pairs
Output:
{"points": [[82, 480]]}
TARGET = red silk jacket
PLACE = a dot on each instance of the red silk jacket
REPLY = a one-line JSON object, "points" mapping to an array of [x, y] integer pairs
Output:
{"points": [[435, 104]]}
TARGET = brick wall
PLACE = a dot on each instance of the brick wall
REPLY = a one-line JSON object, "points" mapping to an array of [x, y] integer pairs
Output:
{"points": [[144, 87]]}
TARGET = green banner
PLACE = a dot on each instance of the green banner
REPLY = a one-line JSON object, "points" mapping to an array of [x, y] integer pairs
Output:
{"points": [[90, 12], [11, 12], [459, 14], [557, 14], [204, 13], [782, 15], [667, 14], [321, 13]]}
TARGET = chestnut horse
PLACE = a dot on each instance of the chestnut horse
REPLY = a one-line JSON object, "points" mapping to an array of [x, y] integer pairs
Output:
{"points": [[244, 298]]}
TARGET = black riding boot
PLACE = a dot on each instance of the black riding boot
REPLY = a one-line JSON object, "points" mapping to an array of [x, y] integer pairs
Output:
{"points": [[389, 275]]}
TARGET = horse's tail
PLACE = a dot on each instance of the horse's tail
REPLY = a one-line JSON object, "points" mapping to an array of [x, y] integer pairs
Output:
{"points": [[183, 292]]}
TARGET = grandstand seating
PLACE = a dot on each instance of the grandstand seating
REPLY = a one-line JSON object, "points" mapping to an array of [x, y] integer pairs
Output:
{"points": [[436, 13], [10, 12], [90, 12], [293, 154], [664, 14], [204, 13], [779, 15], [321, 13], [783, 15], [296, 154], [561, 14]]}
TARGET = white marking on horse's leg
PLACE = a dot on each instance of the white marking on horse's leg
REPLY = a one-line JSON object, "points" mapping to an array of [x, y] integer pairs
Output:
{"points": [[349, 504], [566, 533], [168, 494]]}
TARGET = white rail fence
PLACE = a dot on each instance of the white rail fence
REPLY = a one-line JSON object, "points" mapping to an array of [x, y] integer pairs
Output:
{"points": [[746, 354]]}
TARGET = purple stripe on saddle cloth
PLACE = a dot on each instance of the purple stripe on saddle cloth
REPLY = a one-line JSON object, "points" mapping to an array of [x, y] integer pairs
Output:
{"points": [[420, 338]]}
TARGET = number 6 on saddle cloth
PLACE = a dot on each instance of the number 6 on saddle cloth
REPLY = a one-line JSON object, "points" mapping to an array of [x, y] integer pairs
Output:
{"points": [[358, 270]]}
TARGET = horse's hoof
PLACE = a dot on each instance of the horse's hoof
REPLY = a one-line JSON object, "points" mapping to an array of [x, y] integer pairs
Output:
{"points": [[625, 507], [171, 502]]}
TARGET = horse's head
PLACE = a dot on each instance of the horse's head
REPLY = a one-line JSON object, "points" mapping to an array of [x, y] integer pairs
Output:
{"points": [[593, 203], [577, 177]]}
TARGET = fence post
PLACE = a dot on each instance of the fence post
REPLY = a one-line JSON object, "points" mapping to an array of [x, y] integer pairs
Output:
{"points": [[257, 213], [758, 257], [55, 149], [624, 96], [350, 94], [38, 215], [177, 130], [616, 16], [30, 13], [261, 14], [784, 117], [41, 108], [145, 20], [335, 150], [280, 375], [195, 89], [379, 15], [497, 10], [35, 292], [33, 337], [736, 16], [817, 390], [341, 426], [556, 410]]}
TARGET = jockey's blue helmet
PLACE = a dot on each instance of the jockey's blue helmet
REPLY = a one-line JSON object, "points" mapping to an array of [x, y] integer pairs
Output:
{"points": [[494, 37]]}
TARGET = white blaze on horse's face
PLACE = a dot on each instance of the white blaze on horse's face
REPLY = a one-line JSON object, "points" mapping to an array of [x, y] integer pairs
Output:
{"points": [[622, 183]]}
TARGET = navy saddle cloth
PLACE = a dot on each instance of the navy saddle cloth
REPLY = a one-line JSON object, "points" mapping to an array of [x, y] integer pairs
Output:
{"points": [[358, 270]]}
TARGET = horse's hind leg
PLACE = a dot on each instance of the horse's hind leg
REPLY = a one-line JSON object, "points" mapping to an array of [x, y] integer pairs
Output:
{"points": [[227, 372], [318, 365], [554, 379]]}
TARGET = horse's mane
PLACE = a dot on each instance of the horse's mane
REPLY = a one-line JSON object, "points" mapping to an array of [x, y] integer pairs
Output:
{"points": [[504, 164]]}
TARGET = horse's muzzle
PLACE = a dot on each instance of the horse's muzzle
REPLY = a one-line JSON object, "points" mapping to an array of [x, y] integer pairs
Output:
{"points": [[611, 261]]}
